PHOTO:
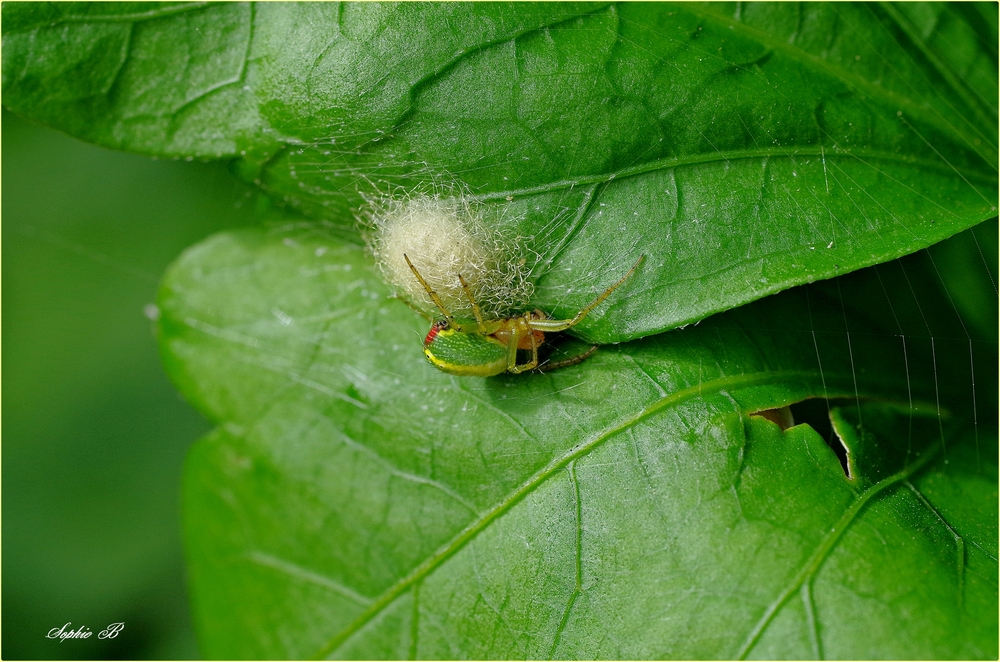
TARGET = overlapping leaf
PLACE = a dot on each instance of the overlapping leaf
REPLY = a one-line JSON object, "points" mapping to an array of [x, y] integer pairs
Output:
{"points": [[744, 149], [355, 502]]}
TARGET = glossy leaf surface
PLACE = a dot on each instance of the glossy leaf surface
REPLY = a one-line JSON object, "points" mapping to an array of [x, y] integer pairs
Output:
{"points": [[355, 502], [744, 148]]}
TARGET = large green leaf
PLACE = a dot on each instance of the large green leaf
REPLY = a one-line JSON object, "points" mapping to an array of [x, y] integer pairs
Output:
{"points": [[355, 502], [743, 148]]}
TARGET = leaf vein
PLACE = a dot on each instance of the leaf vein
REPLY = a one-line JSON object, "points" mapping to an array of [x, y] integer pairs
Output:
{"points": [[406, 475], [852, 81], [135, 16], [959, 540], [578, 583], [581, 450], [954, 78], [667, 163], [819, 555], [297, 571]]}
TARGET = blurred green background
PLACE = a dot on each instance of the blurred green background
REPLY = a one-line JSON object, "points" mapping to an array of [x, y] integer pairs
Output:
{"points": [[94, 435]]}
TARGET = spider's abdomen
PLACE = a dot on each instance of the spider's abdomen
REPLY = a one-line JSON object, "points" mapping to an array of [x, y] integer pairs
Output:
{"points": [[471, 354]]}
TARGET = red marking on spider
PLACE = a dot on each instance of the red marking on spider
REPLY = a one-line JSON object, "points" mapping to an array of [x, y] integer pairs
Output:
{"points": [[431, 334]]}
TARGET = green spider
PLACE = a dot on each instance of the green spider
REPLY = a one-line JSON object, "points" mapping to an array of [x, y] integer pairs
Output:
{"points": [[489, 347]]}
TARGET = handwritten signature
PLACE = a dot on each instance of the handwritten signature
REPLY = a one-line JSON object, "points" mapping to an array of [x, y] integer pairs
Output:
{"points": [[83, 632]]}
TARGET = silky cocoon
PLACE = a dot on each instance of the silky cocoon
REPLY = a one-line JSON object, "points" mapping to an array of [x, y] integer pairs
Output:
{"points": [[445, 236]]}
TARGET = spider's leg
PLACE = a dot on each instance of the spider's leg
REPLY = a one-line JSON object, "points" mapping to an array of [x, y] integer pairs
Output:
{"points": [[533, 363], [475, 306], [431, 293], [573, 360], [562, 325], [512, 343]]}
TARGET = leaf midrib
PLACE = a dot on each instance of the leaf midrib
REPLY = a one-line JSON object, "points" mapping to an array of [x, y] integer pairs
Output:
{"points": [[734, 155], [472, 530]]}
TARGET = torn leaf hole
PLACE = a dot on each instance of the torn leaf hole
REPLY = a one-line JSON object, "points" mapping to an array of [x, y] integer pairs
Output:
{"points": [[782, 417], [814, 412]]}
